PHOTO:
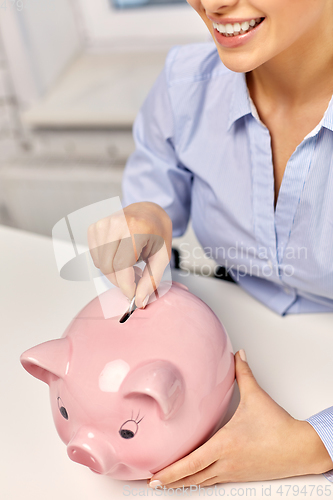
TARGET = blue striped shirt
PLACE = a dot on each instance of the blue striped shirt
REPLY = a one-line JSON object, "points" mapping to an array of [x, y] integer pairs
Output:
{"points": [[202, 152]]}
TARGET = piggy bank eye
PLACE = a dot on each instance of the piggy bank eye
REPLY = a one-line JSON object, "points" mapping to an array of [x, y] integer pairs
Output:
{"points": [[62, 409], [128, 429]]}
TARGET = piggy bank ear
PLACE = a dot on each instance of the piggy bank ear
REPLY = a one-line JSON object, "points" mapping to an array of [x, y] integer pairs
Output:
{"points": [[160, 380], [47, 361]]}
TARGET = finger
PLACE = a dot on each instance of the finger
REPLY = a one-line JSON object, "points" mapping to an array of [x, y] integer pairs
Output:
{"points": [[136, 255], [126, 281], [109, 232], [127, 255], [206, 474], [211, 481], [119, 258], [108, 237], [196, 461], [152, 275], [100, 237], [102, 257], [245, 379], [107, 253], [123, 262]]}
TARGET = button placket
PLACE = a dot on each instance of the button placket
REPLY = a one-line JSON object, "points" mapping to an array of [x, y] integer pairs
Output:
{"points": [[290, 192], [263, 190]]}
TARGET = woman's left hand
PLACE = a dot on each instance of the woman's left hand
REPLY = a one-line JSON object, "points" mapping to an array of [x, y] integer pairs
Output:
{"points": [[260, 442]]}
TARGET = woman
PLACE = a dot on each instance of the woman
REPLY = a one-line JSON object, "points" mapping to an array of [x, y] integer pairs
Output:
{"points": [[240, 138]]}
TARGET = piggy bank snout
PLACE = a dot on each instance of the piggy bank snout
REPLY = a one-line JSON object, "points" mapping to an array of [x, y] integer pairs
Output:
{"points": [[90, 448]]}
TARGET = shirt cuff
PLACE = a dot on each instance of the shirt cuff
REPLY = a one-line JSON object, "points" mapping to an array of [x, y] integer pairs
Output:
{"points": [[322, 423]]}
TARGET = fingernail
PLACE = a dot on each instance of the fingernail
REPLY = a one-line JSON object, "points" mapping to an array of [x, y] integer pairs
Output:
{"points": [[145, 301], [242, 355], [155, 483]]}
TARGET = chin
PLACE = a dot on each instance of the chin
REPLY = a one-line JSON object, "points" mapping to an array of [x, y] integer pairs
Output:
{"points": [[239, 63]]}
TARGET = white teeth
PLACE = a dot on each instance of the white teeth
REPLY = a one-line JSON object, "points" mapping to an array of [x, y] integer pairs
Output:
{"points": [[230, 29], [236, 28]]}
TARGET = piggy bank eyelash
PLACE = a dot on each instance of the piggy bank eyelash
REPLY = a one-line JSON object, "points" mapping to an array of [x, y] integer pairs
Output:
{"points": [[62, 409], [130, 427], [136, 418]]}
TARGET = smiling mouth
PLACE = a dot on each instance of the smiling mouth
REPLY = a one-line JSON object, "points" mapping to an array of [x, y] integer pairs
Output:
{"points": [[236, 29]]}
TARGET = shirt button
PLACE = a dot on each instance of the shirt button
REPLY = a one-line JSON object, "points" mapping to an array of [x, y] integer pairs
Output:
{"points": [[270, 264], [287, 290]]}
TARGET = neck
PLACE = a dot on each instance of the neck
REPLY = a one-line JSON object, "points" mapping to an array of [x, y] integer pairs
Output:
{"points": [[304, 71]]}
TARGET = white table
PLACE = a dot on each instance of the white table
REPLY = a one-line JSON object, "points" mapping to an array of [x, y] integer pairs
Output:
{"points": [[291, 358]]}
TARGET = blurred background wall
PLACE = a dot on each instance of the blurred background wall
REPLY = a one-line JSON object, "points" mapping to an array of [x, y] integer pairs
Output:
{"points": [[73, 75]]}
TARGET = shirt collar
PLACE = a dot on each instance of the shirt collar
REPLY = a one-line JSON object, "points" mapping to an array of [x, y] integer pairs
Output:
{"points": [[240, 104], [327, 120]]}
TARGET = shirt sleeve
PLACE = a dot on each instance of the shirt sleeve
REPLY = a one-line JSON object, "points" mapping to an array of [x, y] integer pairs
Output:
{"points": [[322, 423], [153, 172]]}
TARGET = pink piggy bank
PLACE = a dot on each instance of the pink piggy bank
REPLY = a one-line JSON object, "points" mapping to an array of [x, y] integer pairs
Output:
{"points": [[130, 398]]}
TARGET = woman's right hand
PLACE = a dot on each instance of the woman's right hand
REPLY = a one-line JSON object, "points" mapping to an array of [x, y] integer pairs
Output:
{"points": [[140, 230]]}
